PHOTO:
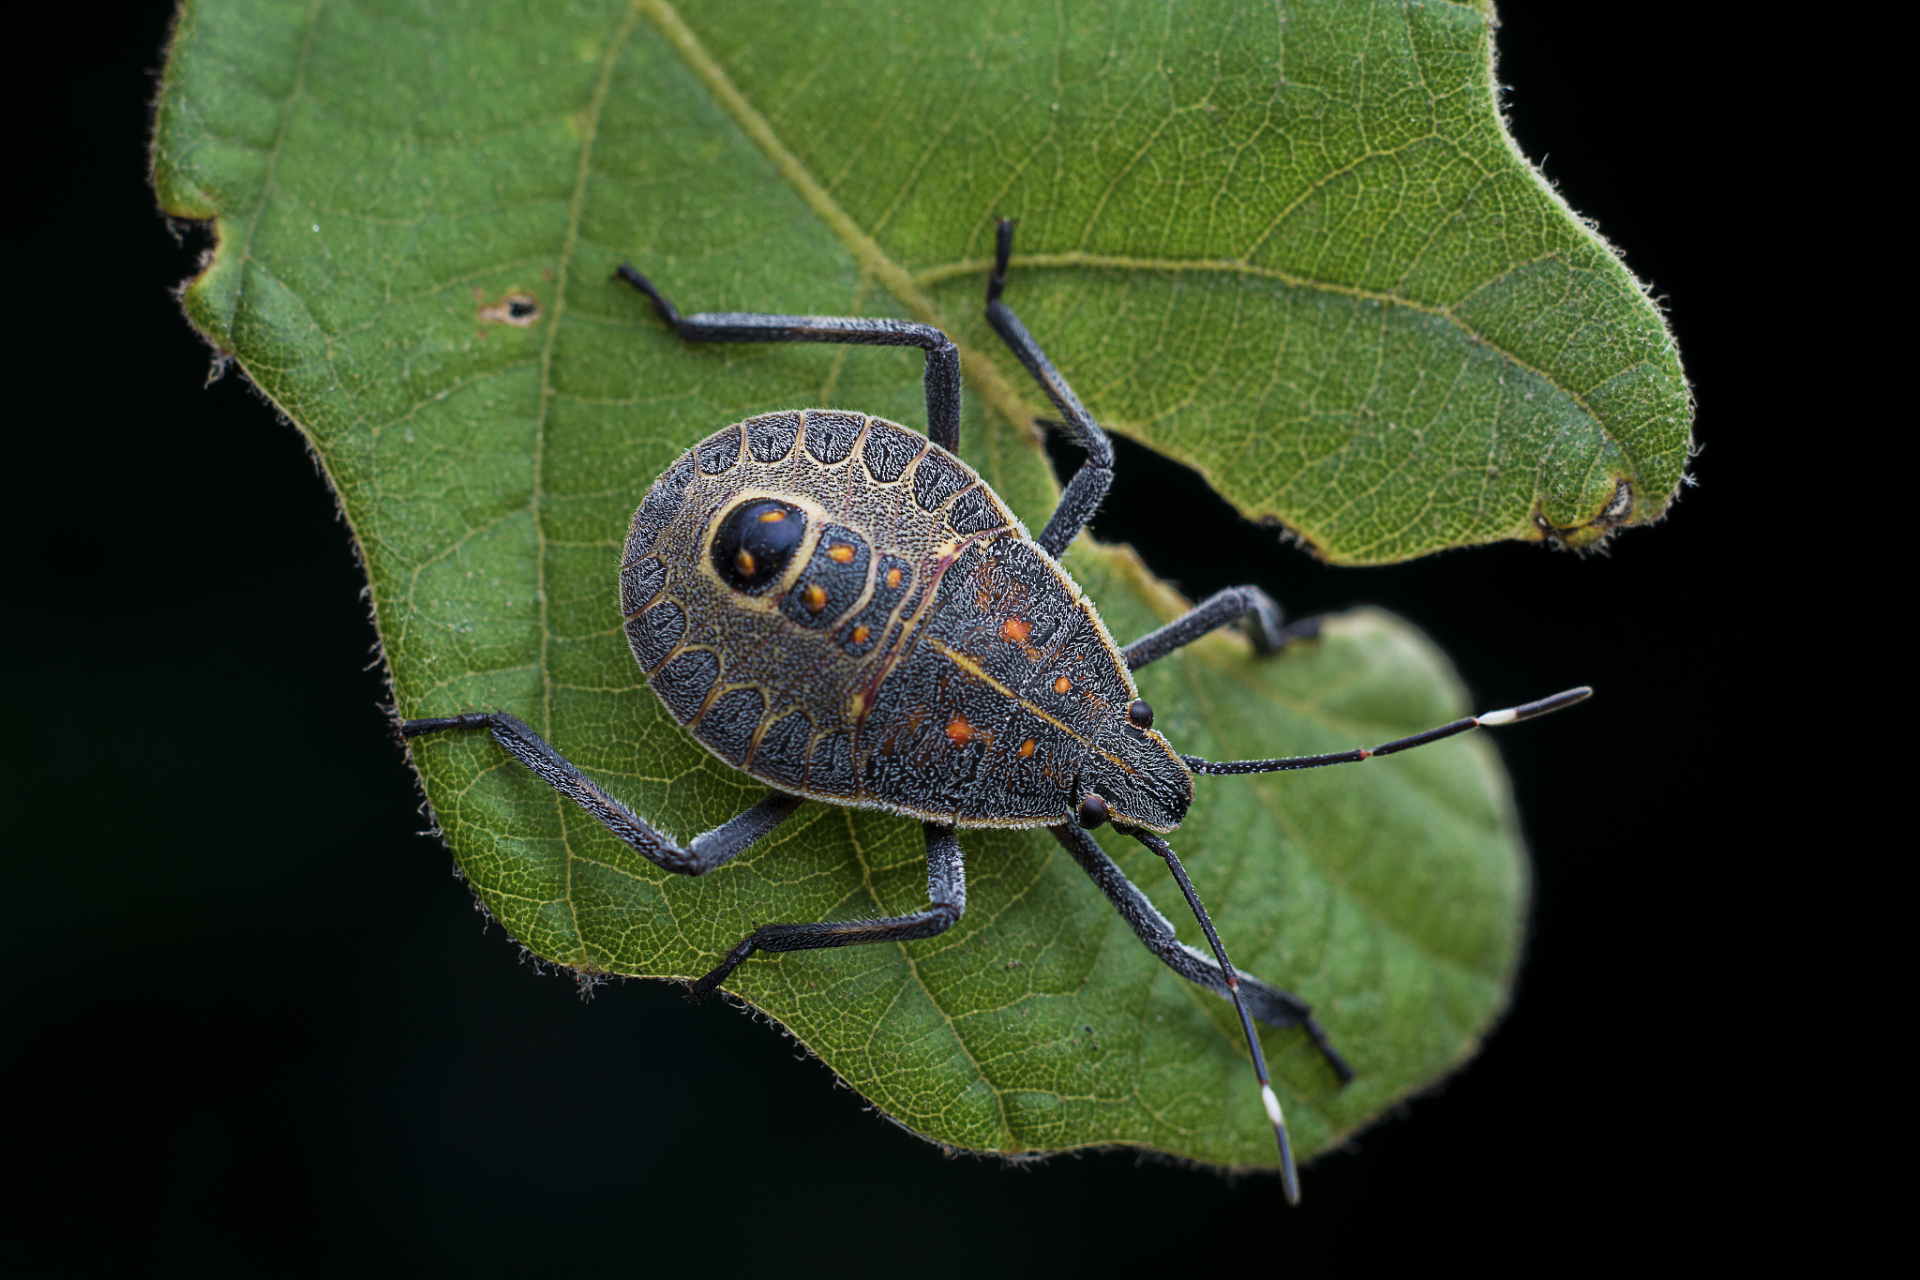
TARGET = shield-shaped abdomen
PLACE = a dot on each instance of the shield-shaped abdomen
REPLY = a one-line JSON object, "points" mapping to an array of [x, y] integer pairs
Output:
{"points": [[845, 611]]}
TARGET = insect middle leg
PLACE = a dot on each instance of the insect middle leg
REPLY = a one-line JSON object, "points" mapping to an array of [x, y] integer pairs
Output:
{"points": [[942, 379], [697, 857], [1267, 1004], [1089, 485], [946, 888], [1218, 610]]}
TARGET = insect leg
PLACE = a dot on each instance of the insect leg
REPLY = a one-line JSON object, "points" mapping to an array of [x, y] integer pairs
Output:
{"points": [[946, 888], [943, 358], [1089, 484], [1267, 1004], [1220, 609], [700, 855], [1153, 929], [1289, 1177], [1489, 719]]}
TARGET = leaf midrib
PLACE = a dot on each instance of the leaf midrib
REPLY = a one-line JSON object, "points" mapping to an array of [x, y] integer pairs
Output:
{"points": [[907, 286], [536, 498]]}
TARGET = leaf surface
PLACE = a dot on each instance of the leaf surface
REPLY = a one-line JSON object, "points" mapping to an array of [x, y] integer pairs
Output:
{"points": [[1294, 249]]}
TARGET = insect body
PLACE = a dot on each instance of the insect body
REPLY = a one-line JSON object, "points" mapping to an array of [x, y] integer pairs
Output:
{"points": [[840, 608], [843, 610]]}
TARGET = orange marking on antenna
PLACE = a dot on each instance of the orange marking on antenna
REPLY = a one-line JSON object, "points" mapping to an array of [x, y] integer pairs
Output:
{"points": [[1062, 685], [1015, 629], [841, 553], [959, 730], [814, 597]]}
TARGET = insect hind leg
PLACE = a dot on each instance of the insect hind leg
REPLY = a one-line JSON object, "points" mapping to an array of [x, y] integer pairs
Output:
{"points": [[946, 888], [697, 857], [942, 379]]}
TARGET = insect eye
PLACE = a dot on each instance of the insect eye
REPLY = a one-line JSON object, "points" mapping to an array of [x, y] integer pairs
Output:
{"points": [[1093, 811], [755, 543], [1139, 714]]}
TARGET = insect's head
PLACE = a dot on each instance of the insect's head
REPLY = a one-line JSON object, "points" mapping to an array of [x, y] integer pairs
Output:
{"points": [[1132, 777]]}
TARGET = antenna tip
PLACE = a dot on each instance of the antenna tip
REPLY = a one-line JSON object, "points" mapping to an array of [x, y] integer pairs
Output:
{"points": [[1512, 715], [1289, 1176]]}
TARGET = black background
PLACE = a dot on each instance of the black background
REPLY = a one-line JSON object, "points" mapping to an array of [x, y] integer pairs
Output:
{"points": [[251, 1020]]}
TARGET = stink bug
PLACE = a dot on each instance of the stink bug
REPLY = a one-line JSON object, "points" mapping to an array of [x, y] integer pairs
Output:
{"points": [[840, 608]]}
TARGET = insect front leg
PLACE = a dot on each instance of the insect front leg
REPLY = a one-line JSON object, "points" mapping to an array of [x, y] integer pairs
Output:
{"points": [[1268, 1004], [697, 857], [946, 887], [1083, 493], [1220, 609]]}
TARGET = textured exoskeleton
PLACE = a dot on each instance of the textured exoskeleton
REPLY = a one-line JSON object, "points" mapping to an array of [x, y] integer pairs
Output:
{"points": [[915, 651], [839, 607]]}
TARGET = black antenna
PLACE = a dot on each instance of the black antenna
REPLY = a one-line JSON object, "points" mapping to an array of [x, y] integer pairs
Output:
{"points": [[1488, 719], [1289, 1176]]}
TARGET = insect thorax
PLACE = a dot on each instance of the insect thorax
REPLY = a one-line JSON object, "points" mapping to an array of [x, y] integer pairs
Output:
{"points": [[845, 611]]}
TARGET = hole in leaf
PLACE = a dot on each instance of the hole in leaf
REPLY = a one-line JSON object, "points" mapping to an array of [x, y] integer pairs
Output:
{"points": [[517, 309]]}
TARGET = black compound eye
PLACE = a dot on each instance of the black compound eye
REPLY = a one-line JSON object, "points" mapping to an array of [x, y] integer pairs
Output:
{"points": [[1093, 811], [756, 542], [1139, 714]]}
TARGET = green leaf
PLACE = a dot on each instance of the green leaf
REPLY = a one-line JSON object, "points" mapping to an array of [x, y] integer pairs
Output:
{"points": [[1294, 249]]}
